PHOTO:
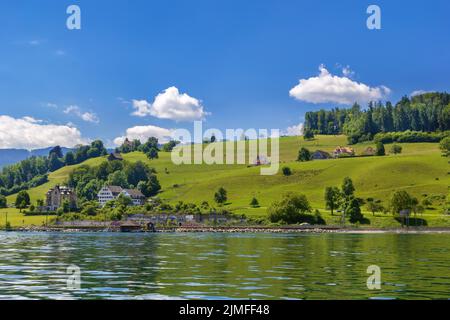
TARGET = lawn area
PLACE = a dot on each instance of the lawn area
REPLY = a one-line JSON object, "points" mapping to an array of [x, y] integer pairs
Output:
{"points": [[17, 219], [420, 170]]}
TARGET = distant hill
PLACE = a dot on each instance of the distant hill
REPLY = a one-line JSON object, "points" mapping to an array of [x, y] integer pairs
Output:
{"points": [[11, 156]]}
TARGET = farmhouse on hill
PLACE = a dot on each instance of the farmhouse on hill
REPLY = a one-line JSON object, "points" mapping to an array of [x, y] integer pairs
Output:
{"points": [[109, 193], [115, 156], [343, 151], [320, 155], [56, 196]]}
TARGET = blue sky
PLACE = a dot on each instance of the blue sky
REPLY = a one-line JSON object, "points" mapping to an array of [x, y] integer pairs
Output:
{"points": [[235, 60]]}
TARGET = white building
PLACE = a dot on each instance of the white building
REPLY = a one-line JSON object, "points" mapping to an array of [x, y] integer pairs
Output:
{"points": [[109, 193]]}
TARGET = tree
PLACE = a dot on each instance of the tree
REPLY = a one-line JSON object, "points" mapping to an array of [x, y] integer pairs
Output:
{"points": [[137, 172], [152, 142], [332, 198], [304, 155], [396, 149], [151, 187], [401, 200], [123, 200], [22, 199], [287, 171], [66, 206], [54, 163], [90, 208], [292, 208], [354, 211], [308, 134], [221, 196], [22, 206], [118, 178], [96, 149], [445, 146], [169, 146], [254, 203], [374, 207], [380, 149], [348, 189], [3, 202], [152, 153], [69, 159], [57, 151]]}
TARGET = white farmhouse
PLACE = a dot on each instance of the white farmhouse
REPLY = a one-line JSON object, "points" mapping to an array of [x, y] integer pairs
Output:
{"points": [[109, 193]]}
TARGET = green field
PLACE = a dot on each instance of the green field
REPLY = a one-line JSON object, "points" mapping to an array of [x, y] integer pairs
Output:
{"points": [[420, 170]]}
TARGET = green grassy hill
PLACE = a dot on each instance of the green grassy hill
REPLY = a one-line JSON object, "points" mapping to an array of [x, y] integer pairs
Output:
{"points": [[420, 169]]}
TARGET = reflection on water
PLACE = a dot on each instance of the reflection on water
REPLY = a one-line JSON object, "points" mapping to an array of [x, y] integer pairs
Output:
{"points": [[224, 266]]}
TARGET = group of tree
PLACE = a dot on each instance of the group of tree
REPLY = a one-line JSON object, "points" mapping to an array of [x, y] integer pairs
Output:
{"points": [[344, 199], [87, 181], [402, 200], [150, 148], [293, 209], [427, 112], [410, 136], [32, 172]]}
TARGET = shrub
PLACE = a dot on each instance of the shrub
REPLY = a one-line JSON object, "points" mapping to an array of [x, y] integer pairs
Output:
{"points": [[396, 149], [293, 208], [445, 146], [308, 134], [221, 196], [287, 171], [254, 203], [380, 149], [304, 155]]}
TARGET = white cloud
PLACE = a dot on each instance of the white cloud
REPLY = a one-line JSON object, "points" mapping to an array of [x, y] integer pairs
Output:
{"points": [[142, 133], [30, 133], [418, 92], [293, 130], [171, 104], [34, 42], [60, 52], [347, 72], [51, 105], [85, 116], [328, 88]]}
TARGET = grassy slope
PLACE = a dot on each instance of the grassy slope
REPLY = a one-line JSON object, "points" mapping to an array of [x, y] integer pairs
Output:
{"points": [[419, 170]]}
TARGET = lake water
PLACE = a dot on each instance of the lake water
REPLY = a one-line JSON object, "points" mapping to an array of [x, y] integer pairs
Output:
{"points": [[224, 266]]}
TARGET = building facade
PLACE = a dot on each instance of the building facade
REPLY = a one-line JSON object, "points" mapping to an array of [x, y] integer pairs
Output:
{"points": [[56, 197], [109, 193]]}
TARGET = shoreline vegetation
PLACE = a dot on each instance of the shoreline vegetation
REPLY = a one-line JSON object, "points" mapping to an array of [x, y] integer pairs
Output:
{"points": [[240, 229]]}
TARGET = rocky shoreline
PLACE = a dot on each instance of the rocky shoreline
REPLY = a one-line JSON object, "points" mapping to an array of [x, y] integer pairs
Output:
{"points": [[249, 229]]}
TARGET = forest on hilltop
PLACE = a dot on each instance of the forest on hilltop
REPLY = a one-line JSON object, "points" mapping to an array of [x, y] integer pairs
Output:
{"points": [[429, 112]]}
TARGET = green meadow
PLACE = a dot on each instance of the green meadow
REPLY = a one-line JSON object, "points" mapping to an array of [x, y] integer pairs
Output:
{"points": [[420, 170]]}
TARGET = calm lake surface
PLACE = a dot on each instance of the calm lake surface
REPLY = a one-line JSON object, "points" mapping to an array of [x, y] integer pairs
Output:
{"points": [[224, 266]]}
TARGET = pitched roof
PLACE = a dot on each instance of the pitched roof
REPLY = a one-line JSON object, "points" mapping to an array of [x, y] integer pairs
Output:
{"points": [[115, 156], [134, 193], [115, 190]]}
